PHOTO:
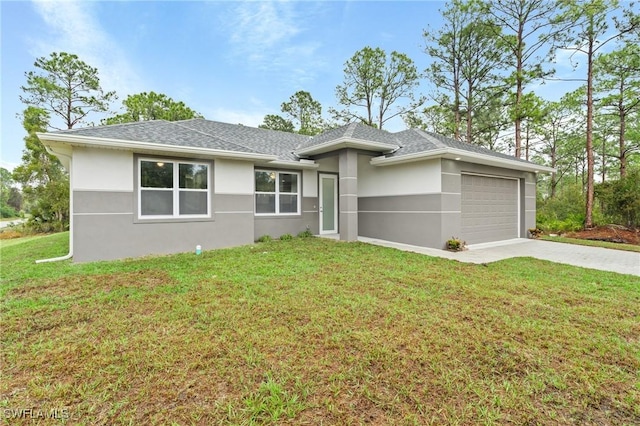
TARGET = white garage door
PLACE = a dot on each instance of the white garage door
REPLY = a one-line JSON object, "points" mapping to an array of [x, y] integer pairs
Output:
{"points": [[489, 209]]}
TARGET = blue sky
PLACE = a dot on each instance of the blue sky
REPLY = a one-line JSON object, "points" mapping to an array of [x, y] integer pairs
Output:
{"points": [[231, 61]]}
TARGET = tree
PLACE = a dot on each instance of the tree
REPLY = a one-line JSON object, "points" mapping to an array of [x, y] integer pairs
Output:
{"points": [[467, 57], [68, 89], [525, 28], [65, 87], [305, 111], [44, 182], [621, 199], [152, 106], [590, 34], [276, 122], [434, 118], [617, 82], [10, 197], [558, 127], [375, 82]]}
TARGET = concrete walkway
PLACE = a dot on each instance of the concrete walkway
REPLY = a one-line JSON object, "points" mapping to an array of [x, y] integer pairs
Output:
{"points": [[6, 223], [623, 262]]}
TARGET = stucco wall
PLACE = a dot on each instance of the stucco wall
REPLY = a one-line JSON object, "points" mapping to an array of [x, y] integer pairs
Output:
{"points": [[105, 224], [400, 203], [419, 203]]}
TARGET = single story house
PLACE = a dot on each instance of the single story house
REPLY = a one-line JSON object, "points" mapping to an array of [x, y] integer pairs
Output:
{"points": [[159, 187]]}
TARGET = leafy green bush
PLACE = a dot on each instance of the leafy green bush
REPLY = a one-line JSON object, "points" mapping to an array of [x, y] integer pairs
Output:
{"points": [[563, 213], [305, 234], [264, 239], [286, 237], [620, 199], [456, 244], [8, 212]]}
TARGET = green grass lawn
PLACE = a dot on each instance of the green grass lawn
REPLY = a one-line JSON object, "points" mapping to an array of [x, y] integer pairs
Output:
{"points": [[592, 243], [315, 331]]}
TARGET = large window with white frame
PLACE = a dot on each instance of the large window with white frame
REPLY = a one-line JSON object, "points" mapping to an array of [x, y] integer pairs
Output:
{"points": [[277, 193], [173, 189]]}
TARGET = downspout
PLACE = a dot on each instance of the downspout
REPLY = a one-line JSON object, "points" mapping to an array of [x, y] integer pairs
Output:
{"points": [[70, 254]]}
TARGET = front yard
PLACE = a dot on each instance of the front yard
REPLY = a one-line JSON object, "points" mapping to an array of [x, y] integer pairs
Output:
{"points": [[313, 331]]}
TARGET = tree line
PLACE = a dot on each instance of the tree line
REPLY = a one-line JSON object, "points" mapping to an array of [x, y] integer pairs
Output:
{"points": [[486, 61]]}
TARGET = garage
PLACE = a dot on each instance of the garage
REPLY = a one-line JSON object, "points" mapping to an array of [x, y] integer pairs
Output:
{"points": [[489, 208]]}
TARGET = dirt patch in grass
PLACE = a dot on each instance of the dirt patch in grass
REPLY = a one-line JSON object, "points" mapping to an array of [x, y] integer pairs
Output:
{"points": [[9, 234], [610, 233]]}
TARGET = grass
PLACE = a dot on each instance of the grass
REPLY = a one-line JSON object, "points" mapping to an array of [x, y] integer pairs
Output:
{"points": [[315, 331], [592, 243]]}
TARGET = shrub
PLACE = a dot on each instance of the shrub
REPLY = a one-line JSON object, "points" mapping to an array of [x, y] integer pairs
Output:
{"points": [[620, 199], [286, 237], [305, 234], [535, 232], [264, 239], [456, 244], [7, 212]]}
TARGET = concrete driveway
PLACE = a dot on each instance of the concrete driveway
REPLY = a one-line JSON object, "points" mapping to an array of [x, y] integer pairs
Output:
{"points": [[4, 224], [623, 262]]}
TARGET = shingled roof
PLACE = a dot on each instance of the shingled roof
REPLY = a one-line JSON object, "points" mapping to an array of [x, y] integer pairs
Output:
{"points": [[214, 135]]}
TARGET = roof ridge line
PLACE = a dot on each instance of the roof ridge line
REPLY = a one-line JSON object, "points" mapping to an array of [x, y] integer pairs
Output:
{"points": [[178, 123], [427, 135], [351, 128]]}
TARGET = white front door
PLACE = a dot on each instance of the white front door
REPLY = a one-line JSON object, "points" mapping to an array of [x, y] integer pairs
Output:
{"points": [[328, 204]]}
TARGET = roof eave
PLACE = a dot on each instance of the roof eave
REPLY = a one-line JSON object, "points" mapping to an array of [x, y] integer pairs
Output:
{"points": [[75, 140], [342, 143], [461, 155], [302, 164]]}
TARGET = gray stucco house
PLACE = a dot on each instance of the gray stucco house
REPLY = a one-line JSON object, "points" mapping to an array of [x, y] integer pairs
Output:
{"points": [[160, 187]]}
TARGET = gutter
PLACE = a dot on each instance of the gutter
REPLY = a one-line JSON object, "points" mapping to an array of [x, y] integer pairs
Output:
{"points": [[70, 254], [458, 154]]}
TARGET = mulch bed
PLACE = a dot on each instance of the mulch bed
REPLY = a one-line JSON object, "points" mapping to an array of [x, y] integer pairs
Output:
{"points": [[611, 233]]}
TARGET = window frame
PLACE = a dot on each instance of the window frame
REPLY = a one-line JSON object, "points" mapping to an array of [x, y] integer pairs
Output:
{"points": [[277, 192], [176, 190]]}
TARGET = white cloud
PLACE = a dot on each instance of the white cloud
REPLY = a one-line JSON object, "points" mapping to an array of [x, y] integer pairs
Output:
{"points": [[258, 27], [270, 37], [251, 119], [72, 27]]}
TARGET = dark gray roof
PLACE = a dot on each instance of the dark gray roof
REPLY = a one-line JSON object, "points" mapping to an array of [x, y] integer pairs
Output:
{"points": [[258, 140], [414, 141], [352, 131], [203, 133], [159, 132]]}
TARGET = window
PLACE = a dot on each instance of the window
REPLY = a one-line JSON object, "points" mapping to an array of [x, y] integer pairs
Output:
{"points": [[170, 189], [277, 193]]}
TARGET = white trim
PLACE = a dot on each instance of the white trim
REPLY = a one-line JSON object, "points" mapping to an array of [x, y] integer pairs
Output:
{"points": [[175, 190], [234, 212], [104, 214], [489, 175], [345, 142], [293, 164], [519, 204], [450, 174], [410, 211], [336, 205], [123, 191], [468, 156], [249, 194], [413, 194], [277, 193]]}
